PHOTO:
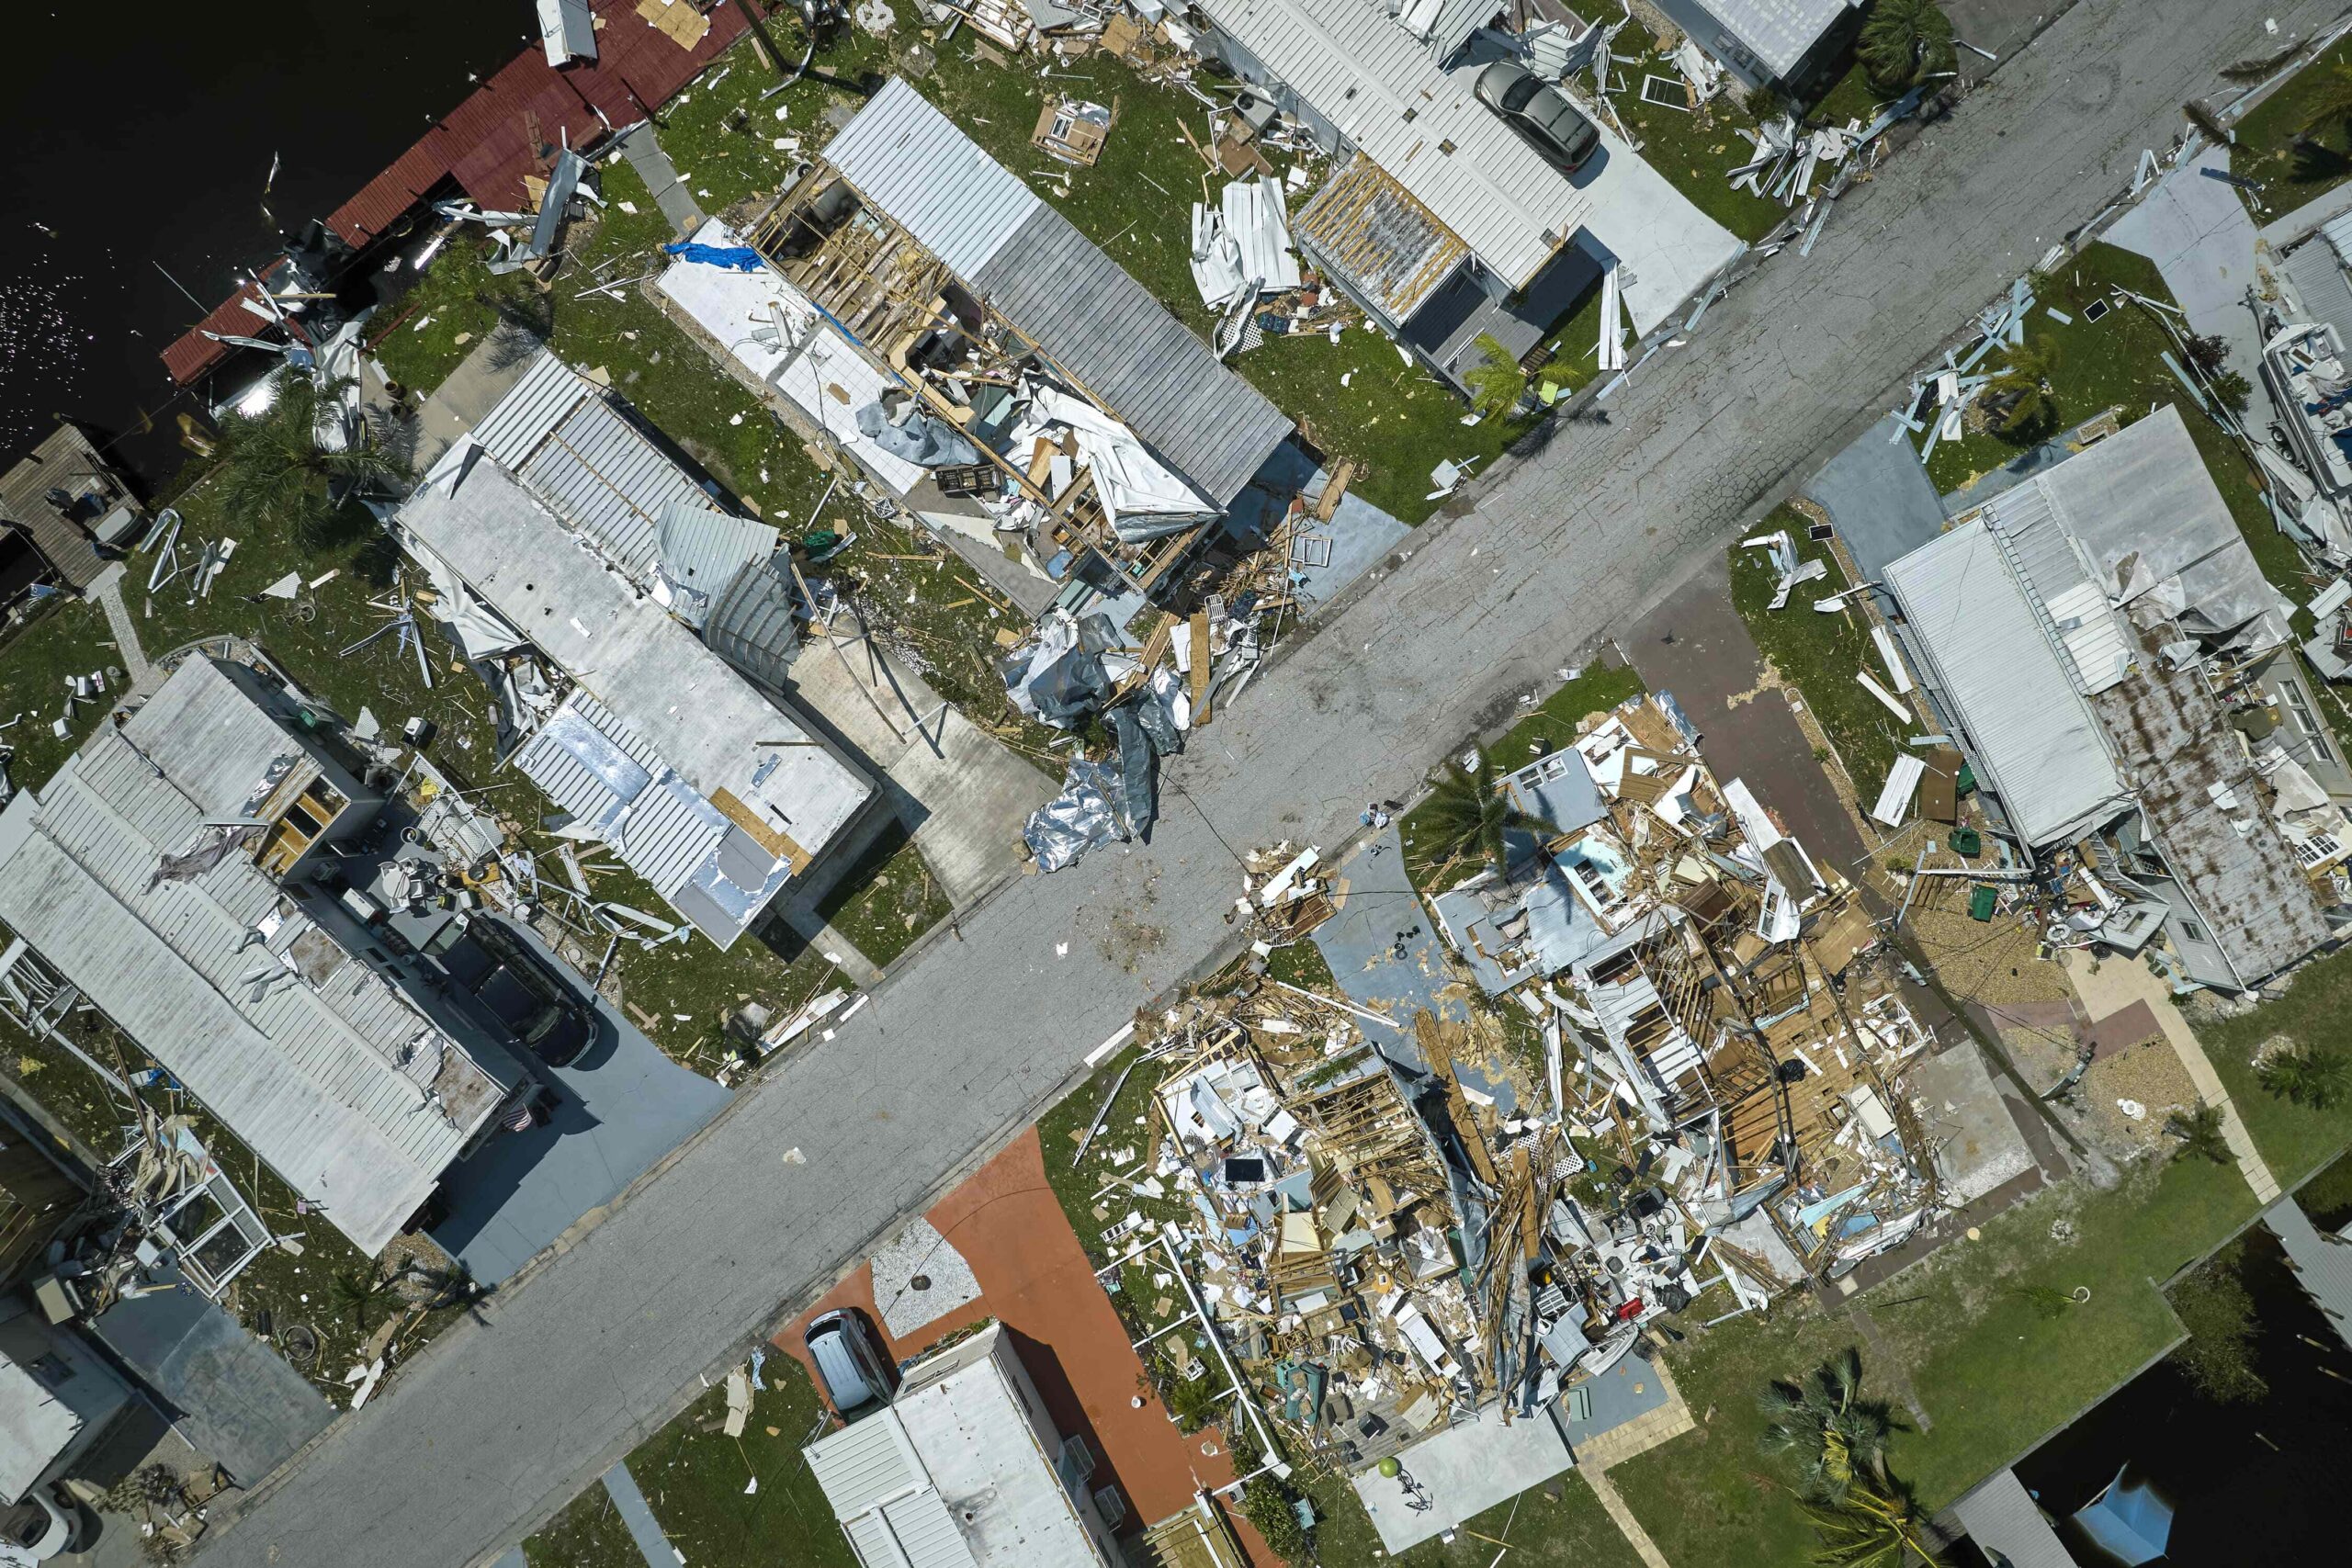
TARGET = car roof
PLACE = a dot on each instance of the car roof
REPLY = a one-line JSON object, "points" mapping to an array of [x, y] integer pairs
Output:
{"points": [[847, 1382]]}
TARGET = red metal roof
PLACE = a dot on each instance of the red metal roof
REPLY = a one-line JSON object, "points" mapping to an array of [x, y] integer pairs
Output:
{"points": [[484, 143], [192, 354]]}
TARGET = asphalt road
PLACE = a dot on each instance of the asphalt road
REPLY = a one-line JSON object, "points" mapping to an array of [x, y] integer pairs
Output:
{"points": [[503, 1421]]}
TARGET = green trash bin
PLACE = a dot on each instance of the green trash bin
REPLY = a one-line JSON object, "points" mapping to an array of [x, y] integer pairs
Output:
{"points": [[1981, 902], [1965, 841], [1965, 779]]}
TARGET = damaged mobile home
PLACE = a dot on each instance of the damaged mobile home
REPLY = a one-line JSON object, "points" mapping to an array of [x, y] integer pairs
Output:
{"points": [[1401, 1262], [179, 872], [573, 556], [1442, 222], [2100, 641], [996, 372]]}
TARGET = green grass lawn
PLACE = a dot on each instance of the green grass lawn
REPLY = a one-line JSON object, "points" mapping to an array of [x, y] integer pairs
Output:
{"points": [[1560, 1524], [2294, 1140], [693, 1477], [888, 900], [452, 306], [2117, 363], [1548, 727], [68, 636], [1994, 1375], [1818, 654], [1695, 149], [2279, 143], [1390, 418]]}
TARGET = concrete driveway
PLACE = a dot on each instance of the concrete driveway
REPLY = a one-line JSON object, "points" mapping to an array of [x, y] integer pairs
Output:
{"points": [[619, 1108]]}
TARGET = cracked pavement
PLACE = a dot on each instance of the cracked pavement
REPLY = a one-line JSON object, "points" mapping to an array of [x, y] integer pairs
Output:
{"points": [[503, 1420]]}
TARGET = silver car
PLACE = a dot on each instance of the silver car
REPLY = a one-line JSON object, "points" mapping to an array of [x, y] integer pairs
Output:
{"points": [[1541, 112]]}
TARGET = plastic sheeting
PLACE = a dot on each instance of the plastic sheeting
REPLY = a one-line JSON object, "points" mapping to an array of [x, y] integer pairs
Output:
{"points": [[1062, 677], [735, 258], [1076, 819], [916, 434]]}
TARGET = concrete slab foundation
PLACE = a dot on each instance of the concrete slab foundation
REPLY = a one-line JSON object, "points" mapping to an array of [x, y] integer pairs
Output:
{"points": [[1464, 1471]]}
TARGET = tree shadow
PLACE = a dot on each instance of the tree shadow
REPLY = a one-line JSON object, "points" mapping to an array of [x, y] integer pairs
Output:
{"points": [[2315, 162]]}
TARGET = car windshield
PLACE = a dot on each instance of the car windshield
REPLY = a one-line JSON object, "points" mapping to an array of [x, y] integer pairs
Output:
{"points": [[1515, 95]]}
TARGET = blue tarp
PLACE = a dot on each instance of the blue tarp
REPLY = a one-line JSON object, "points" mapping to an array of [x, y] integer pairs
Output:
{"points": [[736, 258]]}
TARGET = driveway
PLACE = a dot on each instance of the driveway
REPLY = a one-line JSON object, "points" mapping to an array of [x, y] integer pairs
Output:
{"points": [[1034, 1278], [498, 1424], [618, 1109]]}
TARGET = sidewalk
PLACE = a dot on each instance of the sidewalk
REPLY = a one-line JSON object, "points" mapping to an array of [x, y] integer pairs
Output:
{"points": [[2118, 983]]}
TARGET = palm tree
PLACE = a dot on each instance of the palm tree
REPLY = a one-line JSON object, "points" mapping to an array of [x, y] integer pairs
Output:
{"points": [[1467, 810], [1496, 382], [275, 472], [2330, 104], [2306, 1075], [2200, 1130], [1878, 1524], [1904, 42], [2021, 386], [1839, 1436], [365, 1293]]}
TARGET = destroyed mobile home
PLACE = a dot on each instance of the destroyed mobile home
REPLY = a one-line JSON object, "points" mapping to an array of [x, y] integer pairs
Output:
{"points": [[1388, 1248]]}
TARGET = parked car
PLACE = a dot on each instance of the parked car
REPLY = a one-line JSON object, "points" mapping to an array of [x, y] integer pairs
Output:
{"points": [[522, 990], [1540, 112], [857, 1378], [38, 1529]]}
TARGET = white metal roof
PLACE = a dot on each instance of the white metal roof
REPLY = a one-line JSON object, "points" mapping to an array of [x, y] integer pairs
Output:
{"points": [[1377, 83], [936, 183], [2028, 730], [954, 1473], [562, 436], [2060, 589], [662, 743], [1778, 32], [36, 1427], [301, 1050]]}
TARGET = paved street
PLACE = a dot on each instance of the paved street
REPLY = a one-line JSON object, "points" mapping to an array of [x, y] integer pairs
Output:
{"points": [[502, 1421]]}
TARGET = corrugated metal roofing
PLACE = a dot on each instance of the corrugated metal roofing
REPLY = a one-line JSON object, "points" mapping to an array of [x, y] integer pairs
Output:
{"points": [[1377, 83], [2002, 1519], [1778, 32], [865, 1463], [328, 1073], [604, 477], [703, 551], [2030, 732], [750, 624], [661, 733], [2314, 273], [1111, 337], [2072, 609], [908, 160]]}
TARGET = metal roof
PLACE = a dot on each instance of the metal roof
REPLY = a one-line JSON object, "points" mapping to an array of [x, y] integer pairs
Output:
{"points": [[568, 30], [597, 471], [2210, 814], [303, 1051], [2030, 733], [1779, 33], [662, 743], [63, 462], [951, 1474], [1104, 331], [2145, 512], [908, 160], [2073, 611], [749, 625], [703, 550], [2316, 272], [1377, 83], [2001, 1518]]}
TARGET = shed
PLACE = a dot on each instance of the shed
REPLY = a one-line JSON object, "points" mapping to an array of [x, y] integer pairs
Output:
{"points": [[2001, 1518], [1775, 43], [63, 500]]}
